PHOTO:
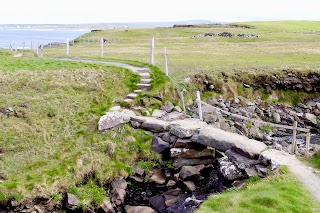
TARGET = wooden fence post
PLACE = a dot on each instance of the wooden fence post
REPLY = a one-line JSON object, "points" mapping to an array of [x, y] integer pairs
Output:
{"points": [[308, 143], [101, 47], [152, 51], [182, 102], [294, 139], [68, 47], [165, 61], [199, 106]]}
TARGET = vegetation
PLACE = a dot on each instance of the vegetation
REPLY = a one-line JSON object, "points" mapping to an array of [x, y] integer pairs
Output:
{"points": [[276, 194], [50, 142], [315, 160]]}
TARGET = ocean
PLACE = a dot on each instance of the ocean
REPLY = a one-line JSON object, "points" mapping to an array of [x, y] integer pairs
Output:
{"points": [[17, 38]]}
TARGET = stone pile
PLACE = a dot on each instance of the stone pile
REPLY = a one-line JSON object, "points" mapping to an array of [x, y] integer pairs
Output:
{"points": [[226, 35]]}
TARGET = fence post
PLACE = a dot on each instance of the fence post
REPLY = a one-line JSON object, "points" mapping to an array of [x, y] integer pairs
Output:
{"points": [[152, 51], [165, 61], [37, 48], [294, 139], [68, 47], [199, 106], [23, 45], [308, 143], [101, 47], [31, 45], [182, 102]]}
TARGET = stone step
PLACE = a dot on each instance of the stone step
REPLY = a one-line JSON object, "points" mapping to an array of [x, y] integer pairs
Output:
{"points": [[143, 70], [132, 95], [137, 91], [145, 81], [128, 100], [143, 85], [144, 75]]}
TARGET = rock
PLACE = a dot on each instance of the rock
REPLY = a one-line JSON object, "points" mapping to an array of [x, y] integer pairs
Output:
{"points": [[251, 172], [242, 128], [173, 116], [189, 171], [179, 162], [177, 109], [158, 113], [228, 170], [274, 158], [239, 184], [159, 177], [158, 145], [276, 117], [262, 171], [302, 106], [139, 209], [185, 128], [311, 103], [245, 101], [115, 108], [170, 200], [277, 146], [240, 161], [171, 183], [187, 80], [168, 107], [112, 119], [72, 202], [191, 153], [189, 185], [246, 85], [223, 141], [135, 124], [188, 144], [310, 117], [318, 105], [155, 125], [157, 202], [137, 170], [315, 111], [118, 191], [106, 207]]}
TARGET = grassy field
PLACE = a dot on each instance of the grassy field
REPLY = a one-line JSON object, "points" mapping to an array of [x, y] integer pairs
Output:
{"points": [[51, 144], [281, 45], [275, 194]]}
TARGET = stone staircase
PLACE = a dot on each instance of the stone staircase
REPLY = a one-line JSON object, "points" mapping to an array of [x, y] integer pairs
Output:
{"points": [[143, 86]]}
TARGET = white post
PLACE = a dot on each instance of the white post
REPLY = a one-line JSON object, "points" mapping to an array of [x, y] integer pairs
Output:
{"points": [[308, 143], [50, 45], [294, 138], [152, 51], [31, 45], [165, 61], [68, 47], [199, 106], [23, 45], [101, 47], [37, 49]]}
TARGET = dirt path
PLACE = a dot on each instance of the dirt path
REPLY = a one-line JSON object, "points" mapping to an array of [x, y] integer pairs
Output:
{"points": [[302, 172]]}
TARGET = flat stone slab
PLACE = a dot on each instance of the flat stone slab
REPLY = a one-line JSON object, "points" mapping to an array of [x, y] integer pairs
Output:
{"points": [[185, 128], [132, 95], [111, 119], [222, 140], [143, 85], [157, 113], [155, 125], [128, 100]]}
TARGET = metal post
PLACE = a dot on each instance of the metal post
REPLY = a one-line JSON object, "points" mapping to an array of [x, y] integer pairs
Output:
{"points": [[294, 139], [165, 61], [199, 106], [152, 51]]}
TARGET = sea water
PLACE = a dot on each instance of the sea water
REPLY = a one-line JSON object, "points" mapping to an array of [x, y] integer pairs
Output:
{"points": [[19, 38]]}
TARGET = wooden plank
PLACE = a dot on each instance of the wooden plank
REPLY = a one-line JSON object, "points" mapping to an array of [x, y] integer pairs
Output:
{"points": [[254, 120], [199, 106]]}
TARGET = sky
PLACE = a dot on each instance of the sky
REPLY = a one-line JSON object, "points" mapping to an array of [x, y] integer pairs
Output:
{"points": [[104, 11]]}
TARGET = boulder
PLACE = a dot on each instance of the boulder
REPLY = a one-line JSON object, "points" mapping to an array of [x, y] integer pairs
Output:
{"points": [[191, 153], [189, 185], [241, 161], [188, 144], [159, 177], [177, 109], [185, 128], [310, 117], [154, 125], [158, 145], [158, 113], [168, 107], [179, 162], [276, 117], [112, 119], [118, 191], [223, 141], [72, 202], [139, 209], [173, 116], [171, 183], [189, 171], [157, 202], [228, 170], [106, 207]]}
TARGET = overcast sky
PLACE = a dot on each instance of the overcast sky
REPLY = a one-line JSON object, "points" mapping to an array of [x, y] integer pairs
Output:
{"points": [[99, 11]]}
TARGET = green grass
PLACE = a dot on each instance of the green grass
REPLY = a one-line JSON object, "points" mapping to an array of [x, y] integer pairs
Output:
{"points": [[276, 194], [315, 160], [53, 143]]}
